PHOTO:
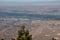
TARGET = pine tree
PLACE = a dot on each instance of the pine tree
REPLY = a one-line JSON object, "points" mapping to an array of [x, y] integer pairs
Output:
{"points": [[2, 39], [53, 38], [24, 34], [12, 39]]}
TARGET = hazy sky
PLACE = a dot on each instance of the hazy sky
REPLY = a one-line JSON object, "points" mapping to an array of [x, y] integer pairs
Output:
{"points": [[26, 1]]}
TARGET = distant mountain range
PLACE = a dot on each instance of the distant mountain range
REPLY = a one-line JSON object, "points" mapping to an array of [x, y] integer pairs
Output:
{"points": [[29, 16], [49, 9], [43, 12]]}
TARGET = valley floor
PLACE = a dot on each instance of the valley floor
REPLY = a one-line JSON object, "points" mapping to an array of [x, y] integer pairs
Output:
{"points": [[40, 30]]}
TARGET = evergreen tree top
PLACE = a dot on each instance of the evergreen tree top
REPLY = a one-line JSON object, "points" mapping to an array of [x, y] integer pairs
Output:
{"points": [[24, 34]]}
